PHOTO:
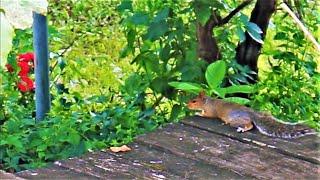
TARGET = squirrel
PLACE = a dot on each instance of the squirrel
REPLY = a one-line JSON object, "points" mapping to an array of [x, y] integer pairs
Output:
{"points": [[245, 119]]}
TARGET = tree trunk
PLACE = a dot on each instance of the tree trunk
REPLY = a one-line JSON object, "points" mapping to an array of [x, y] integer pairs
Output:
{"points": [[207, 45], [249, 50]]}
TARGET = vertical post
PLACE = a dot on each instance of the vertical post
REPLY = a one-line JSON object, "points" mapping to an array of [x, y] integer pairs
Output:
{"points": [[40, 44]]}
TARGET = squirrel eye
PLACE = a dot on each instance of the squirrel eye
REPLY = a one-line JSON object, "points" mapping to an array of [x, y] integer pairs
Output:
{"points": [[194, 101]]}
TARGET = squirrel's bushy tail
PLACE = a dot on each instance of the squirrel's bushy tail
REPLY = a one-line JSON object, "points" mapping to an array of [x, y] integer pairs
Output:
{"points": [[268, 125]]}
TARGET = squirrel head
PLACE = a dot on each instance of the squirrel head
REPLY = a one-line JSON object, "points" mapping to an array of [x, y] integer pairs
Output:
{"points": [[198, 102]]}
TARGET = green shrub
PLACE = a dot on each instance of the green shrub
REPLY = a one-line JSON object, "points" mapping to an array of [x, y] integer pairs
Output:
{"points": [[215, 74], [85, 76], [291, 92], [74, 125]]}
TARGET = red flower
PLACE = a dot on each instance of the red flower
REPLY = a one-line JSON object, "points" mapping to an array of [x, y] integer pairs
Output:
{"points": [[26, 57], [9, 68], [25, 84], [24, 68]]}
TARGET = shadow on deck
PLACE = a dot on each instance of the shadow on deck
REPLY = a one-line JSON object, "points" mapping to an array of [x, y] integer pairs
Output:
{"points": [[195, 148]]}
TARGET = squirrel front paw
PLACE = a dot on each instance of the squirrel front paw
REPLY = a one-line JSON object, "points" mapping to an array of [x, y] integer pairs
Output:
{"points": [[246, 127], [240, 129]]}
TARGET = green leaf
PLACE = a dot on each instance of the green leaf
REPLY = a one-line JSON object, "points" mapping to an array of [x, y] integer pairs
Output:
{"points": [[156, 30], [176, 109], [159, 84], [12, 126], [244, 19], [255, 32], [125, 51], [6, 36], [239, 89], [186, 86], [134, 84], [61, 63], [165, 53], [203, 13], [15, 141], [215, 73], [191, 53], [125, 4], [139, 18], [218, 4], [151, 63], [190, 72], [238, 100], [218, 91], [131, 36], [254, 27], [280, 36], [162, 15], [74, 137], [241, 34], [255, 36]]}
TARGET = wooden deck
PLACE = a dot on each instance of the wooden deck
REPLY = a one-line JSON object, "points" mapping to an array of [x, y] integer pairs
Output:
{"points": [[196, 148]]}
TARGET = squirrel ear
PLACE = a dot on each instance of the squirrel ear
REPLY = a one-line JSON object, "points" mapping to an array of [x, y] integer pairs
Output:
{"points": [[202, 94]]}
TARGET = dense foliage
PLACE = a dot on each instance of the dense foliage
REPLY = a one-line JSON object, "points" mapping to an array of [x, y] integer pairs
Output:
{"points": [[86, 74], [289, 85], [111, 63], [163, 34]]}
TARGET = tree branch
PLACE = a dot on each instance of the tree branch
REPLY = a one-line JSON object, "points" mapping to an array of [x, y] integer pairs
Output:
{"points": [[234, 12], [301, 26]]}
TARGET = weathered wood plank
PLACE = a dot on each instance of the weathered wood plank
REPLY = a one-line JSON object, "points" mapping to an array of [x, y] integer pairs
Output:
{"points": [[306, 148], [243, 158], [181, 167], [106, 166], [5, 175], [159, 164], [54, 172]]}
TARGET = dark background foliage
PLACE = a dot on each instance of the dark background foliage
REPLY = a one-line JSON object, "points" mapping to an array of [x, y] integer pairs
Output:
{"points": [[111, 62]]}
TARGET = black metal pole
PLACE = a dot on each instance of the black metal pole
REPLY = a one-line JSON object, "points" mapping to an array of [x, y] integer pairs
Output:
{"points": [[40, 44]]}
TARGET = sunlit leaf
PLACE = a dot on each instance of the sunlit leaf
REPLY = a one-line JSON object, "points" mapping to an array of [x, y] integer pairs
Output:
{"points": [[218, 91], [238, 100], [239, 89], [254, 27], [215, 73], [6, 36], [255, 32], [15, 141], [186, 86]]}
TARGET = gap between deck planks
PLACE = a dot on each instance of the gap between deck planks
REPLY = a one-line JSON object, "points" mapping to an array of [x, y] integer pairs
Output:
{"points": [[197, 148], [305, 148], [243, 158]]}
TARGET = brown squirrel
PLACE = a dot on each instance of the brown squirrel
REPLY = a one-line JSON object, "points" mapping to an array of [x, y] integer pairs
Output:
{"points": [[244, 118]]}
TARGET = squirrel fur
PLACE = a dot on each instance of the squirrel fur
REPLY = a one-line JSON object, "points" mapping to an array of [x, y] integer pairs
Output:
{"points": [[244, 118]]}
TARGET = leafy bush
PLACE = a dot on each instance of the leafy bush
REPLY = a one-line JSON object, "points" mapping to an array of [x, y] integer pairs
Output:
{"points": [[289, 83], [85, 40], [85, 72], [291, 94], [99, 100], [73, 126], [161, 37], [215, 75]]}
